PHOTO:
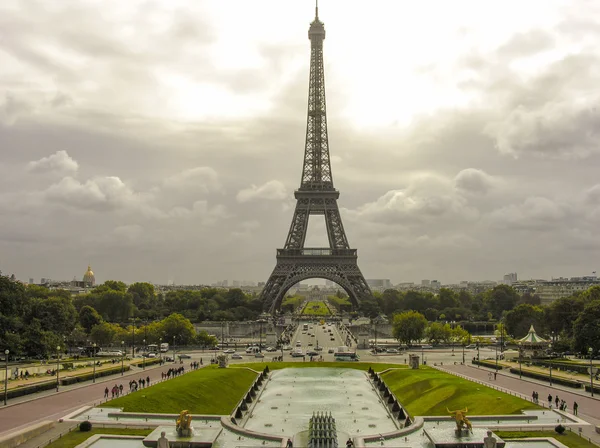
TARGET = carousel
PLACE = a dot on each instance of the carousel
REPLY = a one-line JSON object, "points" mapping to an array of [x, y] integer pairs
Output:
{"points": [[533, 346]]}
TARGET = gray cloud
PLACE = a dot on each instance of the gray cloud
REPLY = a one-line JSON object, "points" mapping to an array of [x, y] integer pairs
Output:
{"points": [[503, 181]]}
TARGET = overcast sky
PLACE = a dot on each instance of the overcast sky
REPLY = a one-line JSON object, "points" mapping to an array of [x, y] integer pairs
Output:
{"points": [[163, 140]]}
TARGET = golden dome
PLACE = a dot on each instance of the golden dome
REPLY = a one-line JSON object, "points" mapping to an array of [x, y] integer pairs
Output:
{"points": [[89, 276]]}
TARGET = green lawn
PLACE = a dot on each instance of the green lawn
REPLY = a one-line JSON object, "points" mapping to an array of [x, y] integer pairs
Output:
{"points": [[316, 309], [209, 390], [428, 392], [76, 437], [570, 439]]}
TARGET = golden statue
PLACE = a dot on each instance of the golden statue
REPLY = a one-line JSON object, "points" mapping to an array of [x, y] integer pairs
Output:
{"points": [[184, 423], [461, 419]]}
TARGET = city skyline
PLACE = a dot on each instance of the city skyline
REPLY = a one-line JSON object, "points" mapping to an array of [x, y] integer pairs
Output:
{"points": [[164, 140]]}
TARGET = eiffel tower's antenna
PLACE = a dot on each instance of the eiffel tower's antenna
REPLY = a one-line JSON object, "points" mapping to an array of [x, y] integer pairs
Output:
{"points": [[317, 9]]}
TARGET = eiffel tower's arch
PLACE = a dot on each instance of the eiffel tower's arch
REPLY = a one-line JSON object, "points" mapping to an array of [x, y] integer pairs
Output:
{"points": [[301, 273]]}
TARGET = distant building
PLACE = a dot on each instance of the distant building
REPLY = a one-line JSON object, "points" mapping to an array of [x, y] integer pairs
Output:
{"points": [[89, 279], [379, 283], [31, 281], [435, 284], [425, 282], [511, 278]]}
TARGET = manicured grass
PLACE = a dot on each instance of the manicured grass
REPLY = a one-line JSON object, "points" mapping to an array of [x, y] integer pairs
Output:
{"points": [[209, 390], [76, 437], [568, 438], [428, 392], [316, 309], [259, 366]]}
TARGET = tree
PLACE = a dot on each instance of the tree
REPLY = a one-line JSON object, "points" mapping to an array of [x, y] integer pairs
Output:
{"points": [[104, 333], [448, 299], [55, 314], [180, 327], [409, 326], [560, 314], [459, 335], [519, 320], [89, 317], [438, 332], [205, 340], [142, 294], [586, 329], [500, 299]]}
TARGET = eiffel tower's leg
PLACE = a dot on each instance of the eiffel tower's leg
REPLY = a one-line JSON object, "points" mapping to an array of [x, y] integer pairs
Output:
{"points": [[297, 233], [335, 228]]}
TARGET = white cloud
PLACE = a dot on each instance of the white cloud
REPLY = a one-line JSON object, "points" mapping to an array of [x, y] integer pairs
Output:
{"points": [[198, 179], [98, 194], [535, 213], [474, 181], [60, 162], [557, 129], [273, 190]]}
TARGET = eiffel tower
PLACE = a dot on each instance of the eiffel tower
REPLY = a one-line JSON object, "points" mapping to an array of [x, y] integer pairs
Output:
{"points": [[316, 196]]}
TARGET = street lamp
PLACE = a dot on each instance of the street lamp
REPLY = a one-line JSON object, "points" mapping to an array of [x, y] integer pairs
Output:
{"points": [[591, 351], [122, 357], [463, 345], [144, 356], [57, 365], [478, 358], [133, 339], [160, 350], [422, 355], [550, 374], [94, 360], [496, 356], [6, 352], [520, 362], [173, 348]]}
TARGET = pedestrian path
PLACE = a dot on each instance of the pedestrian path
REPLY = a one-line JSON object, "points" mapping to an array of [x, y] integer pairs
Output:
{"points": [[589, 408]]}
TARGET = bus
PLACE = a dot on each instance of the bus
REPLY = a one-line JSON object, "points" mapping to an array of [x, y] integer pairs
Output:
{"points": [[344, 354], [152, 348], [350, 356], [305, 327], [164, 347]]}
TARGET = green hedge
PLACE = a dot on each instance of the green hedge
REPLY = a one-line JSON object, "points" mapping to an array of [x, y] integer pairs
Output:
{"points": [[564, 366], [487, 363], [88, 376], [26, 390], [545, 377], [596, 388], [148, 362]]}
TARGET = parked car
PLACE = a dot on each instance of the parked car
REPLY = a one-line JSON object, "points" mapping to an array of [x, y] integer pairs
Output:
{"points": [[271, 349], [312, 353], [236, 356], [287, 347], [184, 356], [427, 346], [259, 355], [331, 350], [310, 344], [392, 350], [470, 346], [229, 351]]}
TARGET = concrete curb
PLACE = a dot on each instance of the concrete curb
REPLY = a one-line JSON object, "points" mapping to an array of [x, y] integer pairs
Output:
{"points": [[17, 438]]}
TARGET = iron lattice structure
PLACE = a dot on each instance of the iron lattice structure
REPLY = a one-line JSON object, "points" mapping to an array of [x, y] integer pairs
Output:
{"points": [[316, 196]]}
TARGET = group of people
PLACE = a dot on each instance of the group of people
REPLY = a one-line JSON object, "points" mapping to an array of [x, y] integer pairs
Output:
{"points": [[195, 365], [172, 372], [558, 403], [140, 384], [116, 391]]}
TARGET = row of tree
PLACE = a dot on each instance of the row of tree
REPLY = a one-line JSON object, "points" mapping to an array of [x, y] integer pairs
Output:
{"points": [[570, 323]]}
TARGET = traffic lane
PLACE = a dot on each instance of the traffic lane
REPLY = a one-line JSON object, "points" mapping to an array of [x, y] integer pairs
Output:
{"points": [[61, 403]]}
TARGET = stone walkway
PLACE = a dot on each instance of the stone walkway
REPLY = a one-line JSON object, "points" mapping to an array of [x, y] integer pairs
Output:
{"points": [[589, 408]]}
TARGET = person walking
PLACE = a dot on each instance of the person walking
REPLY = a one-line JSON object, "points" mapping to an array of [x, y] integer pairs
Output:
{"points": [[549, 400], [556, 401], [106, 393], [575, 408]]}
